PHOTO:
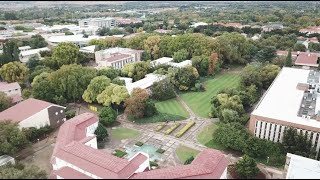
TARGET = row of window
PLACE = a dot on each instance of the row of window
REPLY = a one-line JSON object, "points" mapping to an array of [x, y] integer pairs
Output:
{"points": [[120, 64]]}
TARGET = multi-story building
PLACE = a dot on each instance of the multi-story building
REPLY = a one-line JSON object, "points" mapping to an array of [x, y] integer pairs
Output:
{"points": [[75, 155], [117, 57], [292, 100], [99, 22], [298, 167]]}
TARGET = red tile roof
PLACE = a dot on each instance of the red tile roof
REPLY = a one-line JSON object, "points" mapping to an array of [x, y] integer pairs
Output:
{"points": [[16, 98], [10, 86], [116, 57], [305, 58], [24, 110], [69, 173], [285, 53]]}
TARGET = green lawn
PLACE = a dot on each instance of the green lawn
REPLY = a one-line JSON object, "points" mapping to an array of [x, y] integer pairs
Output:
{"points": [[205, 137], [172, 106], [199, 102], [184, 153], [123, 133]]}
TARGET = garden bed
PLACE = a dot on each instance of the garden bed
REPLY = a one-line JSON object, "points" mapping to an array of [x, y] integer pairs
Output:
{"points": [[185, 129], [119, 153], [171, 129]]}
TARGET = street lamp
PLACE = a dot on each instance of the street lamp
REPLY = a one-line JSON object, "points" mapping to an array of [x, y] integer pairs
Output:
{"points": [[268, 159]]}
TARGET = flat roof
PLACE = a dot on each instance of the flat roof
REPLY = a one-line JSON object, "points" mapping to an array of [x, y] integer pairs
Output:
{"points": [[33, 51], [303, 168], [145, 82], [282, 100], [73, 38]]}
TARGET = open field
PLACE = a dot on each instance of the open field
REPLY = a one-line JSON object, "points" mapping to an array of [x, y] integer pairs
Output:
{"points": [[172, 106]]}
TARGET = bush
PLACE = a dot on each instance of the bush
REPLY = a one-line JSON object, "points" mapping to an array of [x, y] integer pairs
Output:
{"points": [[101, 132], [33, 133], [70, 114], [189, 160], [185, 129], [107, 116], [161, 151], [160, 127], [119, 153], [139, 143], [152, 163], [172, 128]]}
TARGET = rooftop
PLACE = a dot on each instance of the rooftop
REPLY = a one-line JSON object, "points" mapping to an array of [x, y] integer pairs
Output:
{"points": [[282, 101], [303, 168], [4, 159], [145, 82], [308, 59], [33, 51], [72, 38], [88, 49], [11, 86], [26, 108]]}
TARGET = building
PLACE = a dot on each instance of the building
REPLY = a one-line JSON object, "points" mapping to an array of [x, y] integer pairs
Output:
{"points": [[307, 60], [120, 20], [271, 27], [285, 53], [90, 50], [298, 167], [310, 30], [78, 39], [24, 48], [292, 100], [198, 24], [144, 83], [89, 30], [117, 57], [75, 155], [162, 31], [26, 54], [99, 22], [12, 90], [5, 159], [35, 113], [168, 61], [235, 25]]}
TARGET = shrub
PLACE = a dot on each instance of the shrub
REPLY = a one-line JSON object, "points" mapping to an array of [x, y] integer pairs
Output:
{"points": [[172, 128], [33, 133], [101, 133], [70, 114], [189, 160], [107, 116], [161, 151], [160, 127], [139, 143], [185, 129], [152, 163], [119, 153]]}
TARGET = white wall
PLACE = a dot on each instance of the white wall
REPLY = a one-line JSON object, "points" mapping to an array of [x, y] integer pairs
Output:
{"points": [[13, 92], [224, 174], [90, 129], [92, 143], [38, 120]]}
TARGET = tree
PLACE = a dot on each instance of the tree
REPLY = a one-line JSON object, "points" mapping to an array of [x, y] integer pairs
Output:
{"points": [[299, 47], [5, 101], [231, 135], [14, 72], [201, 63], [183, 78], [150, 109], [247, 168], [137, 105], [314, 47], [180, 55], [250, 75], [101, 133], [12, 138], [96, 86], [42, 88], [136, 70], [38, 70], [151, 45], [267, 53], [110, 72], [113, 94], [118, 81], [45, 53], [37, 41], [10, 52], [189, 160], [289, 59], [33, 62], [228, 116], [213, 63], [19, 171], [268, 73], [67, 53], [256, 147], [107, 116], [163, 90]]}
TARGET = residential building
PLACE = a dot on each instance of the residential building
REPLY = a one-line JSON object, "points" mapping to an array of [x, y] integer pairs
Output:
{"points": [[307, 60], [198, 24], [5, 159], [162, 31], [75, 155], [271, 27], [12, 90], [144, 83], [26, 54], [285, 53], [99, 22], [235, 25], [35, 113], [89, 30], [120, 20], [117, 57], [292, 100], [310, 30], [298, 167]]}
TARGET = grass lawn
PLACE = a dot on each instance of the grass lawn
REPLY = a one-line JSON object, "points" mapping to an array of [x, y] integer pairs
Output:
{"points": [[199, 102], [160, 117], [172, 106], [205, 137], [184, 153], [123, 133]]}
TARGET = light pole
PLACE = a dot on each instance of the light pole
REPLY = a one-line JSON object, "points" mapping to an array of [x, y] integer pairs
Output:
{"points": [[268, 160]]}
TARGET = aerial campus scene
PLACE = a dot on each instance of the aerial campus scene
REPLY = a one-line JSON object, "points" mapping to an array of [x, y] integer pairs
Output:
{"points": [[159, 90]]}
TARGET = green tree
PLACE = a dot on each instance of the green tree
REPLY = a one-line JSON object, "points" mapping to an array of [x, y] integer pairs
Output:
{"points": [[42, 87], [183, 78], [107, 116], [299, 47], [163, 90], [10, 52], [136, 70], [118, 81], [267, 53], [96, 86], [256, 147], [180, 55], [113, 94], [268, 73], [14, 72], [5, 101], [289, 59], [20, 171], [247, 168], [33, 62], [67, 53], [151, 45], [201, 63], [250, 75], [38, 70], [101, 133], [37, 41], [228, 116], [110, 72], [136, 104], [189, 160], [150, 108]]}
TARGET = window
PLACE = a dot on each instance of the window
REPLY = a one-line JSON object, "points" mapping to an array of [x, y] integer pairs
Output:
{"points": [[56, 113], [61, 111]]}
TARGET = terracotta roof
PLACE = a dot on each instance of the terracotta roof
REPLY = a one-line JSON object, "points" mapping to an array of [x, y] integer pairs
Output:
{"points": [[26, 109], [285, 53], [16, 98], [209, 164], [116, 57], [69, 173], [11, 86], [305, 58]]}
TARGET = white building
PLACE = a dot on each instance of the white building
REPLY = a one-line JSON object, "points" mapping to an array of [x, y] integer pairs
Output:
{"points": [[292, 100], [78, 39], [199, 24], [99, 22], [24, 48], [5, 159], [35, 113], [117, 57], [26, 54], [169, 61], [142, 83], [298, 167], [89, 30], [12, 90]]}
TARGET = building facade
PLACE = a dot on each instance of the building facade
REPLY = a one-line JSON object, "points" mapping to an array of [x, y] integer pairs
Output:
{"points": [[117, 57], [12, 90], [99, 22], [27, 54], [293, 101]]}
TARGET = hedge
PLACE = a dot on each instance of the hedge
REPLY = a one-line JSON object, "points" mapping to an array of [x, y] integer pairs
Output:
{"points": [[120, 153], [172, 128], [160, 127], [185, 129], [139, 143], [161, 151]]}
